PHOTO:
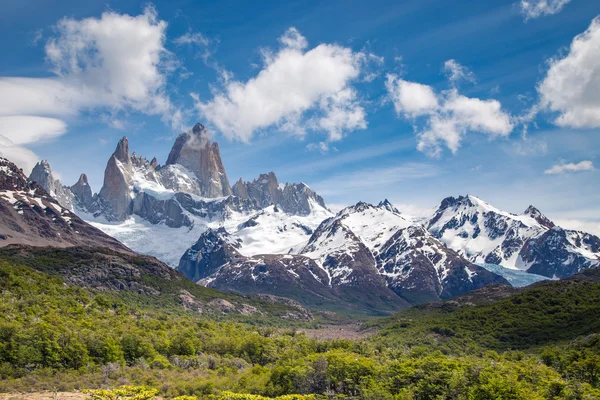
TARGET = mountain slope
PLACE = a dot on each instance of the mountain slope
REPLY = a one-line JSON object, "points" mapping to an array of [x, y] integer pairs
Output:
{"points": [[502, 318], [29, 215], [530, 241], [376, 244]]}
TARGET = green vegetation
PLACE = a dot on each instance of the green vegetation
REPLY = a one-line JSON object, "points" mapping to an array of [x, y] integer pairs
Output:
{"points": [[540, 344]]}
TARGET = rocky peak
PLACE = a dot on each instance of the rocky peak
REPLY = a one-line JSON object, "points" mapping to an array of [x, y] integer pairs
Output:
{"points": [[539, 217], [12, 177], [122, 151], [194, 151], [42, 175], [82, 192], [385, 204], [154, 163]]}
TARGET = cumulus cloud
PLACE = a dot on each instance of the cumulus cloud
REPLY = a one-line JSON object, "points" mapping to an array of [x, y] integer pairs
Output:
{"points": [[532, 9], [411, 99], [562, 168], [116, 62], [296, 89], [457, 72], [571, 86], [448, 115]]}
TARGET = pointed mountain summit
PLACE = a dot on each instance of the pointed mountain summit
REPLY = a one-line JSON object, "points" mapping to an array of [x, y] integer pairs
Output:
{"points": [[42, 175], [83, 192], [117, 182], [539, 217], [194, 151]]}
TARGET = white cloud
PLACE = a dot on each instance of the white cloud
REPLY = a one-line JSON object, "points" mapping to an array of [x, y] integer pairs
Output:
{"points": [[19, 155], [119, 58], [23, 129], [322, 147], [113, 63], [293, 82], [411, 98], [532, 9], [449, 115], [197, 39], [561, 168], [457, 72], [293, 39], [571, 86]]}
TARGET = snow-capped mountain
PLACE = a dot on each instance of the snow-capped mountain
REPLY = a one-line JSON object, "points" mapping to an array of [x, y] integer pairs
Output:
{"points": [[365, 255], [365, 240], [162, 210], [263, 236], [529, 241]]}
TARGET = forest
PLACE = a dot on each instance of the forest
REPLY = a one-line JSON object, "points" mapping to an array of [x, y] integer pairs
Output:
{"points": [[541, 343]]}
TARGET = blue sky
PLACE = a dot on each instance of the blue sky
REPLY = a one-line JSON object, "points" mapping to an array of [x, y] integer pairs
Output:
{"points": [[353, 132]]}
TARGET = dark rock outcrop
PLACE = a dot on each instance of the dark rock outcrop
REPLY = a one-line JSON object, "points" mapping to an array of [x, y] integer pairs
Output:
{"points": [[214, 248]]}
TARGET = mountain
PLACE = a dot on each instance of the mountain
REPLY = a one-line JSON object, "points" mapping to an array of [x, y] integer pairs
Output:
{"points": [[42, 174], [266, 190], [368, 258], [366, 240], [38, 232], [529, 242], [194, 151], [162, 210], [30, 215], [214, 261]]}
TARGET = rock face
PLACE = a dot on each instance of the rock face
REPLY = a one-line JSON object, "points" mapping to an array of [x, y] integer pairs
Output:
{"points": [[419, 268], [29, 215], [42, 175], [194, 151], [530, 241], [115, 193], [366, 257], [214, 248], [559, 253], [294, 198], [82, 193]]}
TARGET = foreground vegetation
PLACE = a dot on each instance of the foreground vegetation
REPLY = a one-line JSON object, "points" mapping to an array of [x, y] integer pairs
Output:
{"points": [[540, 344]]}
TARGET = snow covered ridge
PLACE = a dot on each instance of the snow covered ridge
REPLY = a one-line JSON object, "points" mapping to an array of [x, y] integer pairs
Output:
{"points": [[528, 242]]}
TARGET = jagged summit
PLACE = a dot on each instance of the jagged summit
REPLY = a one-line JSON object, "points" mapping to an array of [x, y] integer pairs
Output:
{"points": [[42, 175], [534, 213], [122, 151], [194, 151], [293, 198]]}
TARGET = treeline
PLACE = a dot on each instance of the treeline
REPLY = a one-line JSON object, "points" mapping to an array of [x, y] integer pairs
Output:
{"points": [[58, 336]]}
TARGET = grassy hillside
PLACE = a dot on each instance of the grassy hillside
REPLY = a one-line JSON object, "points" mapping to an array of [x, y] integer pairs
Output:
{"points": [[148, 283], [55, 335], [544, 313]]}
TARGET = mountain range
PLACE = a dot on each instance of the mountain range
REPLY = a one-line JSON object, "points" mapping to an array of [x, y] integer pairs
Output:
{"points": [[280, 239]]}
